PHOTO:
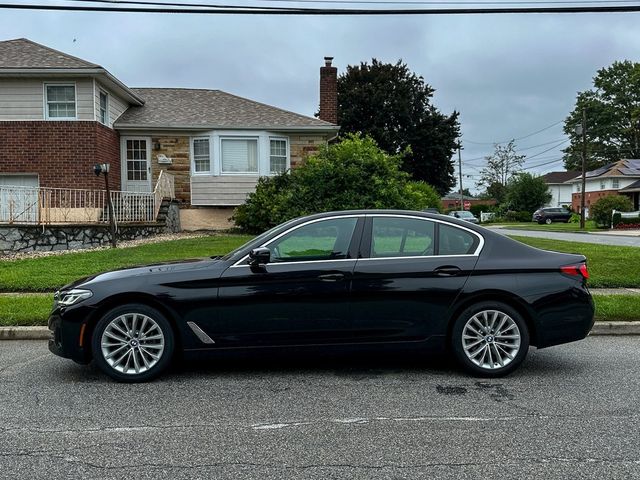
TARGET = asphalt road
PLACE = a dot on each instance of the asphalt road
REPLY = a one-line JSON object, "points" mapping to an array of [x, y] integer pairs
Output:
{"points": [[569, 412], [602, 239]]}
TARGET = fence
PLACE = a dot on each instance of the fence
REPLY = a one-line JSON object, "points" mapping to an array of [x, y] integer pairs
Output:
{"points": [[46, 206]]}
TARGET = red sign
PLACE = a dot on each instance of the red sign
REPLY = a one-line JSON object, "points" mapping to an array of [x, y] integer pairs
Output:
{"points": [[467, 205]]}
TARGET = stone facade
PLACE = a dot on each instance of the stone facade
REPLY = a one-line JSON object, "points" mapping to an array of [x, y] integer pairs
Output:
{"points": [[178, 150], [302, 146], [38, 238], [61, 153]]}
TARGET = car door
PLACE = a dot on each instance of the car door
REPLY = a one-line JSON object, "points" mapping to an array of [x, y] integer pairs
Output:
{"points": [[300, 297], [410, 274]]}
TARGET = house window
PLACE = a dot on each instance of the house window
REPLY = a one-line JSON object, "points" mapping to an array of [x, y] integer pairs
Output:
{"points": [[578, 188], [104, 108], [239, 155], [201, 155], [278, 156], [615, 183], [60, 102], [603, 184]]}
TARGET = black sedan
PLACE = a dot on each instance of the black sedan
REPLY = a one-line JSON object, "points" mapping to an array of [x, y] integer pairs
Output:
{"points": [[366, 279]]}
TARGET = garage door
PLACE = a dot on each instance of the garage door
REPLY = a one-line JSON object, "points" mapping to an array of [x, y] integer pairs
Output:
{"points": [[19, 198]]}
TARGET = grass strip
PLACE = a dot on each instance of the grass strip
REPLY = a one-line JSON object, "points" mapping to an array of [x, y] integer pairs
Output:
{"points": [[50, 273], [610, 266], [27, 310]]}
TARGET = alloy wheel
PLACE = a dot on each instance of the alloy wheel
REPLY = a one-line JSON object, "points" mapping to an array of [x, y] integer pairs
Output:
{"points": [[491, 339], [132, 343]]}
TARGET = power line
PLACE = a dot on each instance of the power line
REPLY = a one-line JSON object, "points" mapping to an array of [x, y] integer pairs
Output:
{"points": [[373, 2], [252, 10], [518, 138]]}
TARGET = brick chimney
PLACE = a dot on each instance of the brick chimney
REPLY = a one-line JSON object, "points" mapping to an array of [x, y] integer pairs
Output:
{"points": [[328, 92]]}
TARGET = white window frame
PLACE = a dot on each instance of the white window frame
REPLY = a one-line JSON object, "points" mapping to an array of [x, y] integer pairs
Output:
{"points": [[108, 119], [239, 137], [46, 101], [615, 183], [603, 184], [193, 157], [287, 154]]}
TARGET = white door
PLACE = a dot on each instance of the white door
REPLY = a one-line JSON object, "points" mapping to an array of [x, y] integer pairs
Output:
{"points": [[136, 164], [19, 198]]}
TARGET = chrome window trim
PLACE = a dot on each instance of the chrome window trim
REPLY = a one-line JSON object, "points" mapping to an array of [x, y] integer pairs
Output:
{"points": [[359, 215]]}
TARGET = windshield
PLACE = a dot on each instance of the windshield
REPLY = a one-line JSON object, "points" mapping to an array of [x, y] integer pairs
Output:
{"points": [[465, 214]]}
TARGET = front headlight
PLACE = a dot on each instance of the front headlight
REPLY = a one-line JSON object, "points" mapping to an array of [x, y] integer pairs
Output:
{"points": [[71, 297]]}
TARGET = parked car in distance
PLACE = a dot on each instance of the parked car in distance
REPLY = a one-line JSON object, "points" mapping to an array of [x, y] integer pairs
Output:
{"points": [[464, 215], [431, 210], [551, 214], [354, 280]]}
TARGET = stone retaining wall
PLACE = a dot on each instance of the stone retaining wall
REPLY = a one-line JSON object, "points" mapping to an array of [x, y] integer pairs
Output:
{"points": [[34, 238]]}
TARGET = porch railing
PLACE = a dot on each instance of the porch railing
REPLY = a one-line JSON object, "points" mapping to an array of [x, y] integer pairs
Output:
{"points": [[44, 205]]}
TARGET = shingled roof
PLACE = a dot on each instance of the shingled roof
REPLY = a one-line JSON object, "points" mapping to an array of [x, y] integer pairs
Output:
{"points": [[559, 177], [23, 53], [191, 108]]}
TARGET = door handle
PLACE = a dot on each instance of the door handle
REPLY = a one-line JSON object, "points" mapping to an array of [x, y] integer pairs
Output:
{"points": [[447, 271], [331, 277]]}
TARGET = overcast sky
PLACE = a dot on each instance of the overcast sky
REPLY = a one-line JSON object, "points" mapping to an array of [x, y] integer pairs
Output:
{"points": [[508, 75]]}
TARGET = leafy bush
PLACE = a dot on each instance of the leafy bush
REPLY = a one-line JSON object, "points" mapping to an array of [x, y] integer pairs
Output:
{"points": [[575, 218], [481, 207], [522, 216], [352, 174], [601, 210], [526, 192]]}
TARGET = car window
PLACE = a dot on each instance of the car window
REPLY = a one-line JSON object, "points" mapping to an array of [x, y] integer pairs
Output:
{"points": [[401, 237], [322, 240], [455, 241]]}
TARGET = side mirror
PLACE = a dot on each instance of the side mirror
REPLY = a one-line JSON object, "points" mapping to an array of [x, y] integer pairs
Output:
{"points": [[259, 256]]}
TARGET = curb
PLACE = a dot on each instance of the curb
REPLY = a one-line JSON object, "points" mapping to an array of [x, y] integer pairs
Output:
{"points": [[25, 333], [43, 333]]}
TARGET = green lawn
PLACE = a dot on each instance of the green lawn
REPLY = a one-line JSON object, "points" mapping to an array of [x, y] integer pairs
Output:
{"points": [[590, 226], [609, 266], [32, 309], [49, 273]]}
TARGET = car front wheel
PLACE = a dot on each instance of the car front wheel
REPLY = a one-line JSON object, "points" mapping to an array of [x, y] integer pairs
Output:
{"points": [[490, 339], [133, 343]]}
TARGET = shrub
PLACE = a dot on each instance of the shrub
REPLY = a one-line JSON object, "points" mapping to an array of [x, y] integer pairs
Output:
{"points": [[352, 174], [521, 216], [575, 218], [481, 207], [526, 192], [601, 210]]}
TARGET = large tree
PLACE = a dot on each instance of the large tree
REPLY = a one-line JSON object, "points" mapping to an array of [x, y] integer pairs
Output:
{"points": [[393, 105], [502, 165], [612, 110], [527, 192]]}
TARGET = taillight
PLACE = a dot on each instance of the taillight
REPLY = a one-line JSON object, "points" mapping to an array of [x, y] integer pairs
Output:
{"points": [[576, 270]]}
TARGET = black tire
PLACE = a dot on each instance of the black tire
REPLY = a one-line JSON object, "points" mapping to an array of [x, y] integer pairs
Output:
{"points": [[156, 368], [458, 347]]}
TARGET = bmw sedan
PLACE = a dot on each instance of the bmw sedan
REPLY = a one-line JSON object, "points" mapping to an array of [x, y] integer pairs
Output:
{"points": [[367, 279]]}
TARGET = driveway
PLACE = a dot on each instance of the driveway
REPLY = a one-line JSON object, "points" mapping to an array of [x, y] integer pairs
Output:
{"points": [[602, 239], [570, 412]]}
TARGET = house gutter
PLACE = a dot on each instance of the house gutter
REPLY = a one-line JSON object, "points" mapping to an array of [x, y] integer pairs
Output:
{"points": [[309, 128]]}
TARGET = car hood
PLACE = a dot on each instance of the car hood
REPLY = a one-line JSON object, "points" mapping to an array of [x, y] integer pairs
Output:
{"points": [[156, 268]]}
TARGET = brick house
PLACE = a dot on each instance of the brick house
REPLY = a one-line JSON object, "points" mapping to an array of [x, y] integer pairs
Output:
{"points": [[619, 178], [60, 115]]}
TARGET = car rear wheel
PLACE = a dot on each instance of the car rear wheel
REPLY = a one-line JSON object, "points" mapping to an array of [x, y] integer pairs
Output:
{"points": [[548, 221], [133, 343], [490, 339]]}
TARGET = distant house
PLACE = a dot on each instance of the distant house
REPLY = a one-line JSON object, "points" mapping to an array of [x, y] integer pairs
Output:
{"points": [[558, 188], [60, 115], [451, 201], [619, 178]]}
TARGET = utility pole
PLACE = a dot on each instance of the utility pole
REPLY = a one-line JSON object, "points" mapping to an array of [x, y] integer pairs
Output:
{"points": [[460, 173], [583, 193]]}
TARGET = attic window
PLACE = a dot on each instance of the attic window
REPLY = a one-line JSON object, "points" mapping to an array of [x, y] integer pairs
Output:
{"points": [[60, 102], [104, 108]]}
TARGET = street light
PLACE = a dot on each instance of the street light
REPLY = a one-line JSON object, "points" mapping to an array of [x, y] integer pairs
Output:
{"points": [[103, 169]]}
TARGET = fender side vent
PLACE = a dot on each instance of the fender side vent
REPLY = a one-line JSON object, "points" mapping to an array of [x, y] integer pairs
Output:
{"points": [[203, 337]]}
